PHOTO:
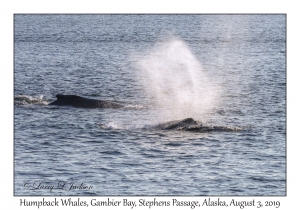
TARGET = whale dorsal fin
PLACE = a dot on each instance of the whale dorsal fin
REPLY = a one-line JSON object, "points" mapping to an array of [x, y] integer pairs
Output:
{"points": [[60, 96], [189, 120]]}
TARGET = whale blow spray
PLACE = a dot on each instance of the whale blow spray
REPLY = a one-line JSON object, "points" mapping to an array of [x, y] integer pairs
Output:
{"points": [[175, 82]]}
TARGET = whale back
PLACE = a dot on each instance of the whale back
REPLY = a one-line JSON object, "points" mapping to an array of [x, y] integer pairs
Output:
{"points": [[70, 97], [189, 124], [66, 100], [178, 124], [81, 102]]}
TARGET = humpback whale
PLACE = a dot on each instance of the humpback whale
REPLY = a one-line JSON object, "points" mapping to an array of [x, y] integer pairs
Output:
{"points": [[189, 124], [81, 102]]}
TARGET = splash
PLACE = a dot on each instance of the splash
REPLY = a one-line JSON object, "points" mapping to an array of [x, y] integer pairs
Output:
{"points": [[26, 100], [175, 82]]}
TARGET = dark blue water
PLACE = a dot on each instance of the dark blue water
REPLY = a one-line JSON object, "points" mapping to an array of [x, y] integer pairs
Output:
{"points": [[227, 70]]}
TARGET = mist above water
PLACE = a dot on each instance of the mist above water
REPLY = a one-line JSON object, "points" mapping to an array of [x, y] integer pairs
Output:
{"points": [[175, 82]]}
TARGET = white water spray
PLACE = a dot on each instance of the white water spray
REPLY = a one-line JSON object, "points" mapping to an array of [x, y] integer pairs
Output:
{"points": [[175, 82]]}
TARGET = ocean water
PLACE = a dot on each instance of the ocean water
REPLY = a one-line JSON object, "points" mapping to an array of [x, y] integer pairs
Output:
{"points": [[225, 70]]}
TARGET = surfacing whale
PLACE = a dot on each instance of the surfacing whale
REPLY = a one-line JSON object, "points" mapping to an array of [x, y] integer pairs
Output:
{"points": [[189, 124], [81, 102]]}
